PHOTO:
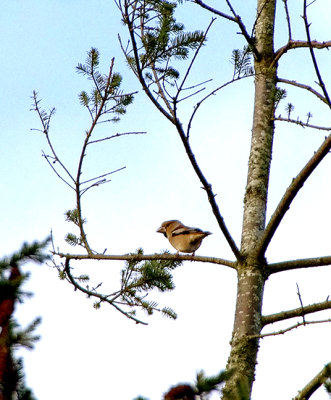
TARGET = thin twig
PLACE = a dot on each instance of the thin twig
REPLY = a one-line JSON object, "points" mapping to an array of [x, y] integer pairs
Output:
{"points": [[282, 331], [214, 11], [302, 124], [188, 70], [297, 312], [303, 86], [290, 194], [101, 176], [288, 20], [311, 49], [99, 296], [212, 93], [297, 44], [51, 165], [300, 299]]}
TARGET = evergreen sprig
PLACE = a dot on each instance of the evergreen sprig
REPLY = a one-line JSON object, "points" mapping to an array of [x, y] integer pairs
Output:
{"points": [[162, 39], [139, 278], [207, 384], [105, 97], [28, 252], [25, 337], [242, 62]]}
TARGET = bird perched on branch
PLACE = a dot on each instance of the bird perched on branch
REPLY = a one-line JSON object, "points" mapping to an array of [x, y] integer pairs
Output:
{"points": [[181, 237]]}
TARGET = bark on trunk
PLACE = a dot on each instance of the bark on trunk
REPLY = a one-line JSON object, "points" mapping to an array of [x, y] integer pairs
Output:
{"points": [[251, 277]]}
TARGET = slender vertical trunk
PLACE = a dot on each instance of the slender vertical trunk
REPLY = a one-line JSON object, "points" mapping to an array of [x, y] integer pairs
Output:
{"points": [[251, 277]]}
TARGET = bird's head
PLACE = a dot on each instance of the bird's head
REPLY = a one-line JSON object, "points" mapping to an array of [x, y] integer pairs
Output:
{"points": [[166, 224]]}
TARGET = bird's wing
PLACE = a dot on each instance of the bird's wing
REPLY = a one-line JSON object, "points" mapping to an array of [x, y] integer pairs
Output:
{"points": [[185, 230]]}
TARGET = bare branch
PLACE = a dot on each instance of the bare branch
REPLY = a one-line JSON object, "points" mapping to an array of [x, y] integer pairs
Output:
{"points": [[296, 264], [237, 19], [214, 11], [116, 135], [208, 188], [297, 312], [288, 20], [315, 383], [188, 70], [55, 171], [282, 331], [302, 124], [303, 86], [45, 120], [311, 49], [197, 106], [290, 194], [300, 299], [102, 176], [296, 44], [144, 257]]}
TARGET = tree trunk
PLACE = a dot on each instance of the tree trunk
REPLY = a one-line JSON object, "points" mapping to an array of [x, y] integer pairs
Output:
{"points": [[251, 277]]}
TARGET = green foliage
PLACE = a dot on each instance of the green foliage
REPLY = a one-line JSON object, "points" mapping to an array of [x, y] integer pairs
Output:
{"points": [[242, 62], [161, 39], [105, 96], [17, 383], [289, 108], [140, 398], [12, 384], [72, 239], [279, 96], [25, 337], [139, 277], [28, 252], [207, 384], [10, 288], [73, 216]]}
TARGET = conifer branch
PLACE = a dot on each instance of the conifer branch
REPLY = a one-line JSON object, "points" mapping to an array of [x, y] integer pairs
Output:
{"points": [[297, 312], [97, 295], [99, 112], [315, 383], [296, 264], [290, 194]]}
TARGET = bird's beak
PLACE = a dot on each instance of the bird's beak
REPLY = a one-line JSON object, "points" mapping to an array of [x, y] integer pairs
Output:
{"points": [[161, 230]]}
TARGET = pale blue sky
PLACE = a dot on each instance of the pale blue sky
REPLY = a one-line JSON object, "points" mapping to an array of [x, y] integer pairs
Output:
{"points": [[98, 354]]}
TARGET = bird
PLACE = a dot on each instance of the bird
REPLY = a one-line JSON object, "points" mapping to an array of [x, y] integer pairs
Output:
{"points": [[183, 238]]}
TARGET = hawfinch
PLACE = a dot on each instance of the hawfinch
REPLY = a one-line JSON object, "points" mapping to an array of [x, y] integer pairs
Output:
{"points": [[181, 237]]}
